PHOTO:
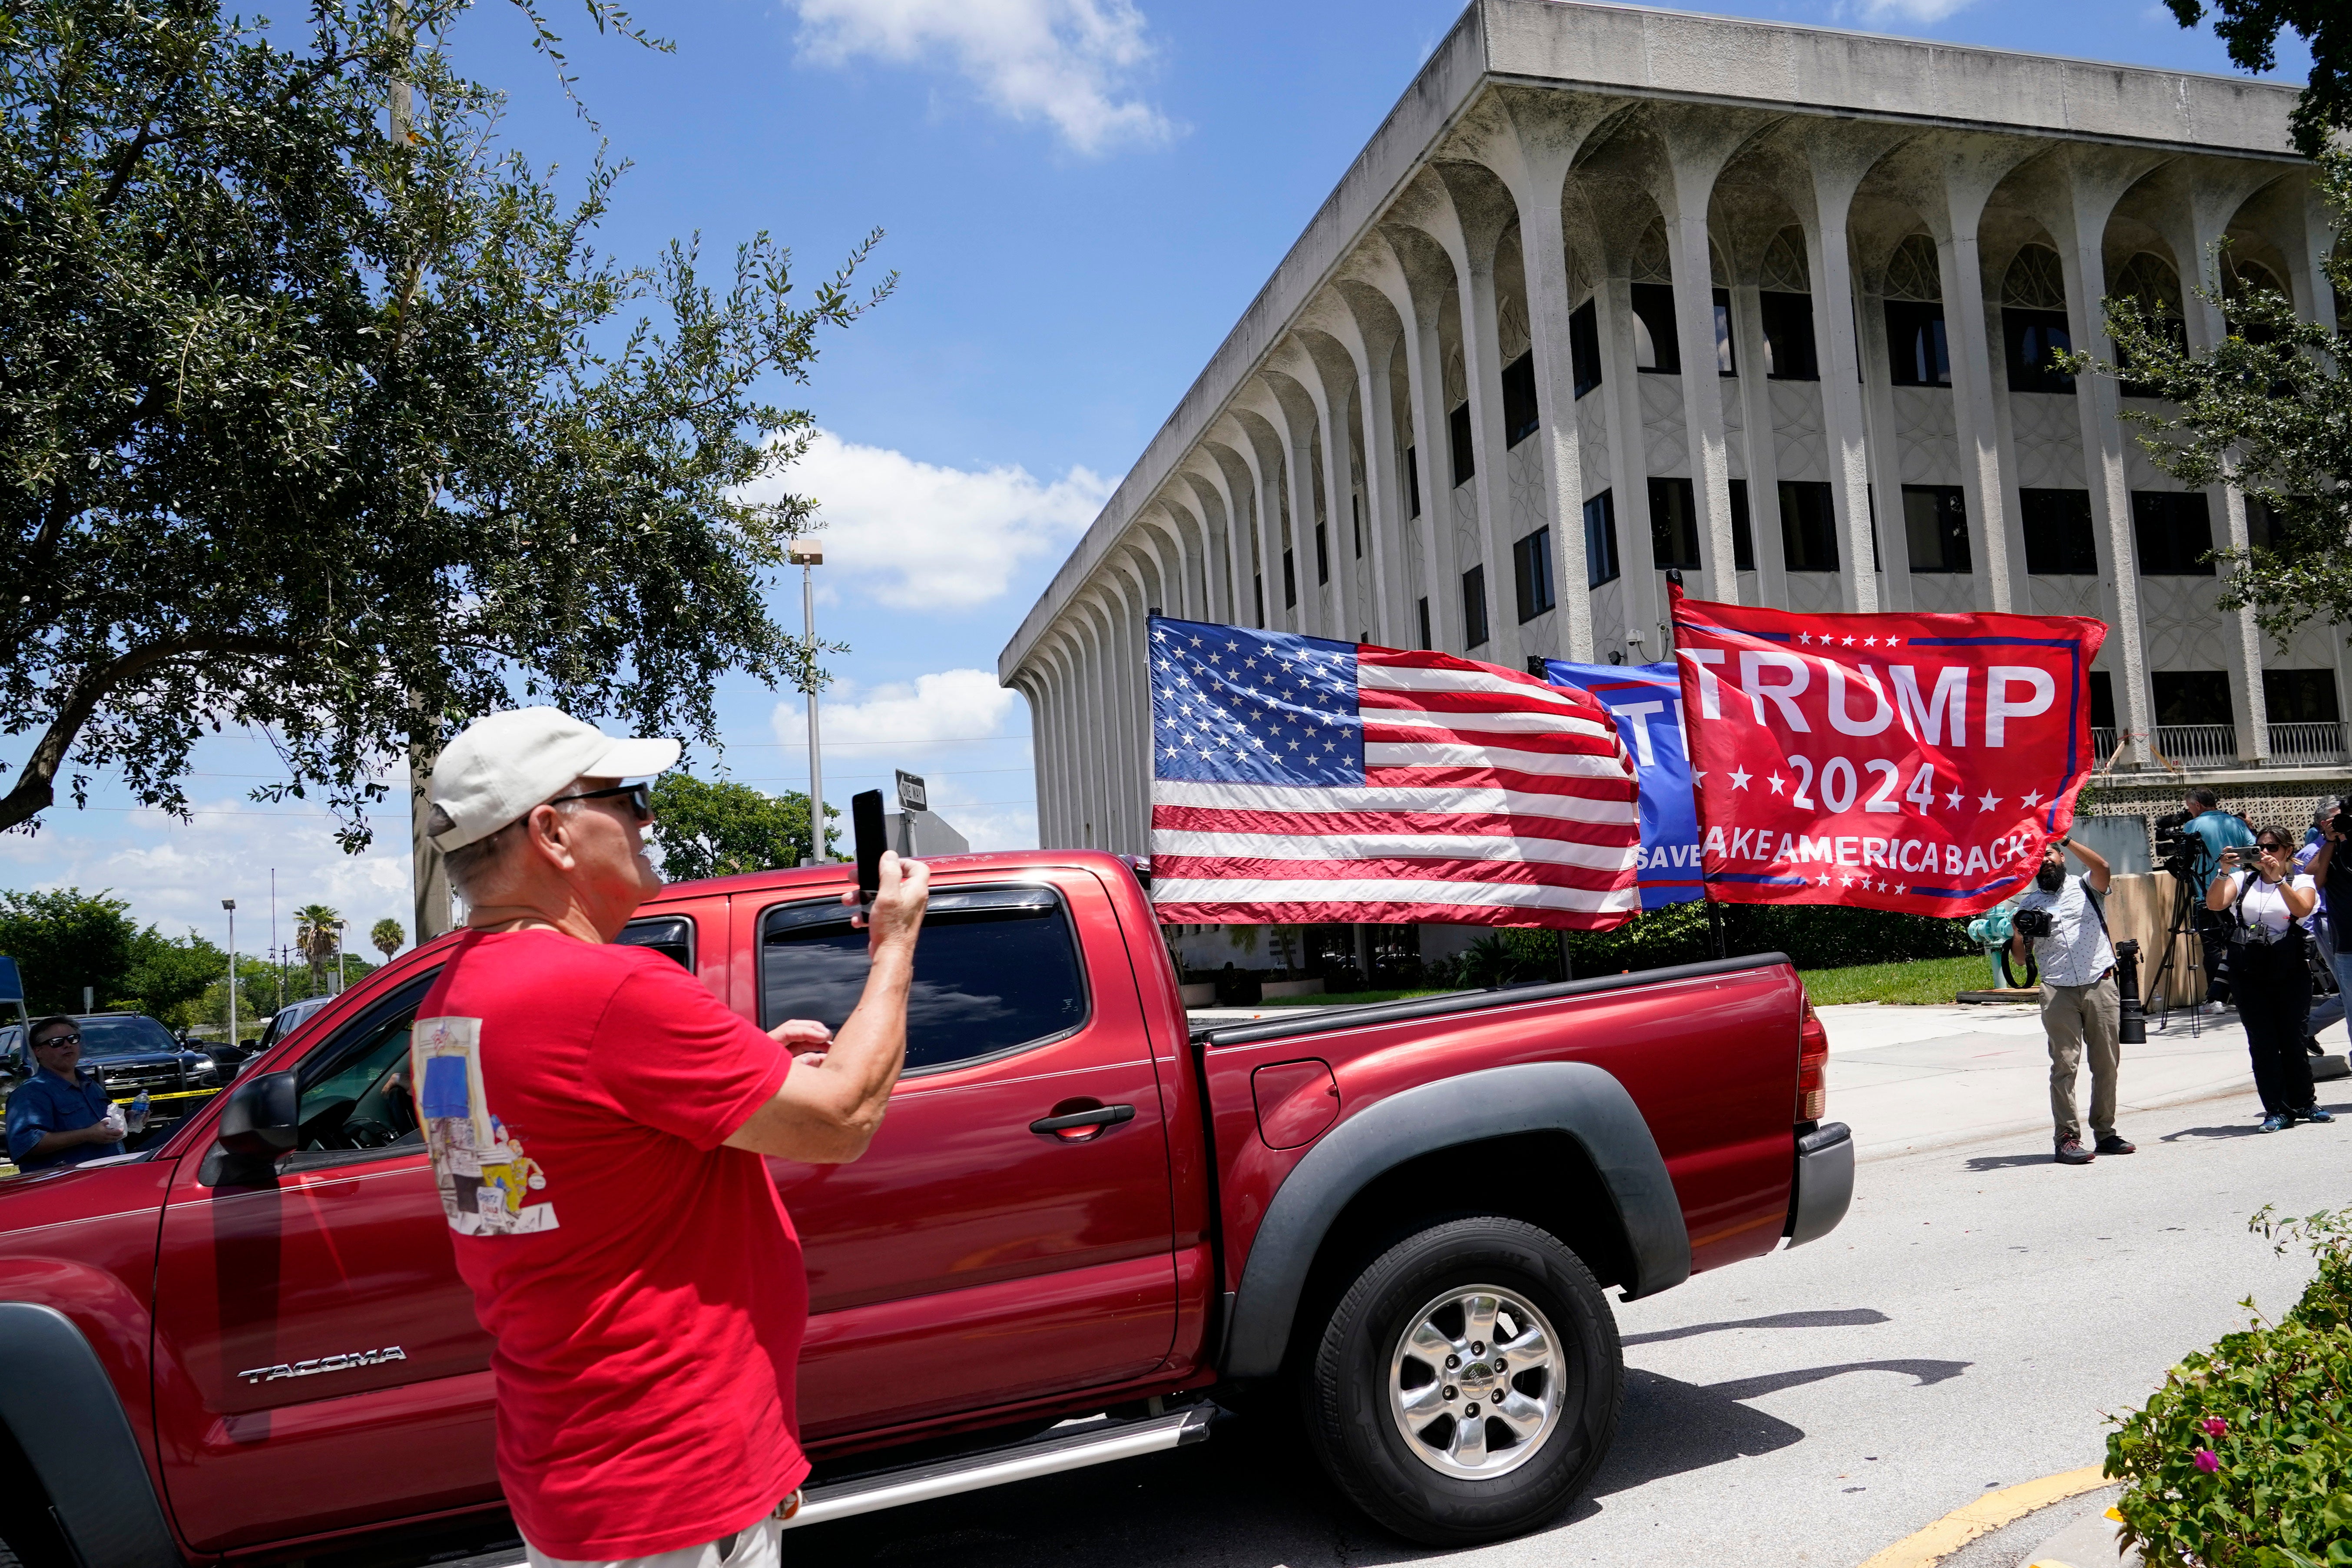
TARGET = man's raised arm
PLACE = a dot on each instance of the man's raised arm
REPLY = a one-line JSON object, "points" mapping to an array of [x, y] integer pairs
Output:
{"points": [[830, 1108]]}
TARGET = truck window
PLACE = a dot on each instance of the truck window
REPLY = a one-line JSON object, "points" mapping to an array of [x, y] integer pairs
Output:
{"points": [[670, 935], [355, 1091], [997, 970]]}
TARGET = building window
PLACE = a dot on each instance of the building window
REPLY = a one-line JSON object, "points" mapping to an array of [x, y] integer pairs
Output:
{"points": [[1411, 484], [1915, 351], [1673, 525], [2060, 541], [1600, 541], [1743, 538], [1465, 455], [1258, 581], [2266, 529], [1426, 640], [1322, 554], [1356, 519], [1807, 526], [1584, 347], [1936, 525], [1289, 579], [1531, 573], [1519, 414], [2034, 338], [1473, 606], [2103, 700], [2192, 697], [2300, 696], [1788, 337], [2175, 533], [1655, 346], [1726, 362]]}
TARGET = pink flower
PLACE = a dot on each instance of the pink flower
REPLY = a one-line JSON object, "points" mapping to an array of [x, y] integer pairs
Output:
{"points": [[2208, 1460], [2214, 1425]]}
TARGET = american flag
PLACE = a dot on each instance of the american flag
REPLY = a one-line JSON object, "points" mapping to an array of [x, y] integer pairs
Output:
{"points": [[1299, 780]]}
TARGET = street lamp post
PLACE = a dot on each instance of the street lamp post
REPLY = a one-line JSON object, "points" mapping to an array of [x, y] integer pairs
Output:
{"points": [[230, 905], [807, 553]]}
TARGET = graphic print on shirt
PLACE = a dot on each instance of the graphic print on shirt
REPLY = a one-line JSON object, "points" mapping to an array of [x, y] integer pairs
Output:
{"points": [[485, 1177]]}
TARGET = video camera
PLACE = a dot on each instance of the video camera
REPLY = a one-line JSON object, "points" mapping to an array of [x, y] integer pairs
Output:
{"points": [[2031, 924], [2177, 848]]}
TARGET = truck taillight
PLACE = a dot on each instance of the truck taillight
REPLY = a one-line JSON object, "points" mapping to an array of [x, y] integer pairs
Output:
{"points": [[1812, 1061]]}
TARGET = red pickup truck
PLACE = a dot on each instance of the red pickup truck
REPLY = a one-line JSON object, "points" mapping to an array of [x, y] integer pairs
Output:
{"points": [[1081, 1224]]}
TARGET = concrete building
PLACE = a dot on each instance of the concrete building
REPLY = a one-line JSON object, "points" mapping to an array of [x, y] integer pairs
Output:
{"points": [[1615, 289]]}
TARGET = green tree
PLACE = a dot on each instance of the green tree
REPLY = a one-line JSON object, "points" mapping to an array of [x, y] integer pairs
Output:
{"points": [[386, 935], [2250, 29], [65, 939], [2267, 408], [710, 827], [169, 975], [348, 437], [317, 935]]}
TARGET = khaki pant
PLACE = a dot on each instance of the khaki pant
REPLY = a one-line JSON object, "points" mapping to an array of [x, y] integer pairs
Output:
{"points": [[2070, 1016]]}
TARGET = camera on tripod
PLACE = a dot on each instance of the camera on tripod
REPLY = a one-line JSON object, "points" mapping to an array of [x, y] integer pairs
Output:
{"points": [[2031, 924], [2177, 848]]}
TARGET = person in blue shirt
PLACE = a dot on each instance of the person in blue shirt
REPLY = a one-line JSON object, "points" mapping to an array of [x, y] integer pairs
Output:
{"points": [[2217, 830], [61, 1116]]}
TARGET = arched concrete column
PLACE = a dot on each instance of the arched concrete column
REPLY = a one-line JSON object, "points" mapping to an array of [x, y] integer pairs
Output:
{"points": [[1290, 412], [1030, 682], [1211, 518], [1228, 472], [1132, 725], [1057, 655], [1320, 366], [1531, 144], [2191, 203], [1466, 211], [1154, 537], [2072, 190], [1261, 452], [1090, 701], [1372, 330], [1406, 268]]}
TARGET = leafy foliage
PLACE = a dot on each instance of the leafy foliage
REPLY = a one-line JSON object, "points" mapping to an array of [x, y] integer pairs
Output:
{"points": [[2250, 29], [347, 438], [1816, 936], [317, 937], [64, 940], [2243, 1458], [386, 936], [168, 978], [2267, 408], [710, 827]]}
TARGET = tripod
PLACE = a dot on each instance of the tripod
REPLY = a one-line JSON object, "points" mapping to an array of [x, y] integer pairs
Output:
{"points": [[2184, 903]]}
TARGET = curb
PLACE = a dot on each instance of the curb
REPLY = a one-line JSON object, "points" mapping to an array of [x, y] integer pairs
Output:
{"points": [[1987, 1515]]}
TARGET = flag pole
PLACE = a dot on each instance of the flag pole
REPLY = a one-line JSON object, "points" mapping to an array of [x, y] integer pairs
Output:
{"points": [[1707, 892]]}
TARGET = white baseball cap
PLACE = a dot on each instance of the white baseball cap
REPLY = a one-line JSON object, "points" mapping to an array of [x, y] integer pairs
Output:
{"points": [[507, 762]]}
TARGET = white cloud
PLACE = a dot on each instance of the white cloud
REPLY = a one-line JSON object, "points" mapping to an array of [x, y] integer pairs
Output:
{"points": [[920, 536], [1069, 62], [935, 725], [1917, 13]]}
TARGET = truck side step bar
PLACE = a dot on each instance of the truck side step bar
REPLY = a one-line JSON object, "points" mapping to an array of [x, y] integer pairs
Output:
{"points": [[1045, 1456]]}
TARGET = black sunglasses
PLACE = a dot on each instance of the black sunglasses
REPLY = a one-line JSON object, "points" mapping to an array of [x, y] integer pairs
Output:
{"points": [[640, 798], [59, 1040]]}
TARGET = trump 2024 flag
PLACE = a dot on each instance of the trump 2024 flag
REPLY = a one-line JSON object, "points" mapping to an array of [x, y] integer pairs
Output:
{"points": [[1893, 761], [1298, 780]]}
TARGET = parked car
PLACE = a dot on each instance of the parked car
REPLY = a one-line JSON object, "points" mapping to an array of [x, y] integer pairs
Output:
{"points": [[130, 1052], [252, 1341]]}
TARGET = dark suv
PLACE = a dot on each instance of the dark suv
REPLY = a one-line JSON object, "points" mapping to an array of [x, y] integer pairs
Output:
{"points": [[129, 1052]]}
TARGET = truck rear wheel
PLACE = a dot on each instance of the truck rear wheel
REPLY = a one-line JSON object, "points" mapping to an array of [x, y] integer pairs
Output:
{"points": [[1466, 1385]]}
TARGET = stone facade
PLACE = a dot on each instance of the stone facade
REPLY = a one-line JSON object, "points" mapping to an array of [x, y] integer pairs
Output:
{"points": [[1765, 302]]}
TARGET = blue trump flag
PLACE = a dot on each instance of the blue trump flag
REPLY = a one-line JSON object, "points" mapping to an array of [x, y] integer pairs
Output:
{"points": [[1646, 700]]}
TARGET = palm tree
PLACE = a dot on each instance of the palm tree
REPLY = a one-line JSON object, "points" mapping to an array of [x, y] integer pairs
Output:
{"points": [[387, 935], [318, 931]]}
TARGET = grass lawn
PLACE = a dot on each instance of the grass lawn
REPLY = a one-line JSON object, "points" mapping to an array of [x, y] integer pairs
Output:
{"points": [[1924, 979]]}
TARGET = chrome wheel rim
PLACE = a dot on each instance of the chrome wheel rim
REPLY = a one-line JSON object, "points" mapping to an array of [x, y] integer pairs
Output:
{"points": [[1475, 1382]]}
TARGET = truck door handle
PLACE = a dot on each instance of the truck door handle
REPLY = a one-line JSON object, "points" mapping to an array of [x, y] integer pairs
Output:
{"points": [[1082, 1126]]}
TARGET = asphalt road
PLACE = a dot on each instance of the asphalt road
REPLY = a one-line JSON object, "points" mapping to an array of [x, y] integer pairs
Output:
{"points": [[1966, 1329]]}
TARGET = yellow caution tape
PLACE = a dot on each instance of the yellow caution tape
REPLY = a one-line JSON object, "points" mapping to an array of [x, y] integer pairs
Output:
{"points": [[175, 1094]]}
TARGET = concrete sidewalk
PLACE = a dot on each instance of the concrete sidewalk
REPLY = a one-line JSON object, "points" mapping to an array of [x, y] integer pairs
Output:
{"points": [[1908, 1079]]}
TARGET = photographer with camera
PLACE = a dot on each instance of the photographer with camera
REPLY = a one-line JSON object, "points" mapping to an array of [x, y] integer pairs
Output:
{"points": [[2262, 900], [2212, 832], [2061, 916]]}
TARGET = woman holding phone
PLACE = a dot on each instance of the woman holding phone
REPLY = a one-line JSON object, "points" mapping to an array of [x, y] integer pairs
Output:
{"points": [[2260, 890]]}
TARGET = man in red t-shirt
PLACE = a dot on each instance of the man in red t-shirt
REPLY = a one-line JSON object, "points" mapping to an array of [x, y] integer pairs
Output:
{"points": [[596, 1120]]}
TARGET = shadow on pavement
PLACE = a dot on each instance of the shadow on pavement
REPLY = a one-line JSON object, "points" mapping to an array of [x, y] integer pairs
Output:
{"points": [[1253, 1494], [1840, 1318], [2003, 1161], [2237, 1130]]}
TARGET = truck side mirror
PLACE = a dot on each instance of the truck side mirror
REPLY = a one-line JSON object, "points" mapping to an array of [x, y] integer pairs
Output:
{"points": [[262, 1117]]}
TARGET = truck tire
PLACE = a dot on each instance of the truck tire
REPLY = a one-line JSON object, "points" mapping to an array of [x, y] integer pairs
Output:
{"points": [[1465, 1387]]}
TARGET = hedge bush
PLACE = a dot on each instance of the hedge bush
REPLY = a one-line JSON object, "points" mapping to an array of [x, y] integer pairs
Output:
{"points": [[1817, 936], [2244, 1457]]}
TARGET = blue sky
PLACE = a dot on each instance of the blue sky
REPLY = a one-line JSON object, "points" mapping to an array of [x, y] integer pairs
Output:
{"points": [[1079, 197]]}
